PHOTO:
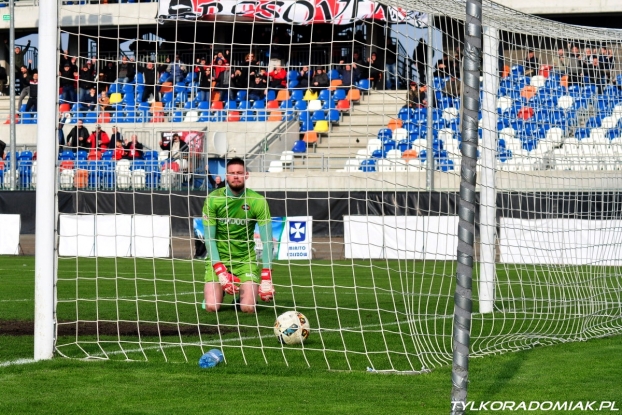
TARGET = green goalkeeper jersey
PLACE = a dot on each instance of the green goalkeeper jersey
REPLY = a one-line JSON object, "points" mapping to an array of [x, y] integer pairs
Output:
{"points": [[234, 219]]}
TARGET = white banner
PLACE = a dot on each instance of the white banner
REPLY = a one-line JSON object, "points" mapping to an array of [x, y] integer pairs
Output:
{"points": [[401, 237], [114, 236], [560, 241], [9, 235], [295, 238]]}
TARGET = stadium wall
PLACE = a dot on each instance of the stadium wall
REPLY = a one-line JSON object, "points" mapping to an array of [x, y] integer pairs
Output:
{"points": [[326, 208]]}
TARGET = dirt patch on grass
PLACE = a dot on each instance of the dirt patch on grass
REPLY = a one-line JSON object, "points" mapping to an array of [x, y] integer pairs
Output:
{"points": [[106, 328]]}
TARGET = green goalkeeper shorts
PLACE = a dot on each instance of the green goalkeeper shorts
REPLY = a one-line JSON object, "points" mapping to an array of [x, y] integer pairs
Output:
{"points": [[245, 271]]}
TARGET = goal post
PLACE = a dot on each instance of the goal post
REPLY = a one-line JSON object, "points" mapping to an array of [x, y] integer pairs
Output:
{"points": [[46, 208]]}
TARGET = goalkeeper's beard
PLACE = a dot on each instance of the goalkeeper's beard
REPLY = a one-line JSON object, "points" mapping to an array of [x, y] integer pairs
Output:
{"points": [[237, 188]]}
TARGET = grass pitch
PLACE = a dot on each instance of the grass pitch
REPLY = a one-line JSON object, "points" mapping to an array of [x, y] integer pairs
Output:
{"points": [[363, 316]]}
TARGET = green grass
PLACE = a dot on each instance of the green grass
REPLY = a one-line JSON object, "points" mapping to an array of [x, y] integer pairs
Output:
{"points": [[395, 306]]}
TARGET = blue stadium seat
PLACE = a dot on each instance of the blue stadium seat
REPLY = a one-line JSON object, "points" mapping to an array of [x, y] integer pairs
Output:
{"points": [[259, 105], [384, 133], [405, 114], [300, 146], [297, 95], [318, 115], [333, 74], [339, 95], [300, 106], [581, 133], [368, 165], [363, 84]]}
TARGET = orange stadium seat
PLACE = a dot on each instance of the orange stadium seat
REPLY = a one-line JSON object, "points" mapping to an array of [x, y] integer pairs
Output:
{"points": [[335, 83], [282, 95], [234, 116], [395, 124], [354, 95], [275, 116]]}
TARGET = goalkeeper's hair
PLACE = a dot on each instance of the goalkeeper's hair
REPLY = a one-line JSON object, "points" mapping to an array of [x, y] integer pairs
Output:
{"points": [[236, 160]]}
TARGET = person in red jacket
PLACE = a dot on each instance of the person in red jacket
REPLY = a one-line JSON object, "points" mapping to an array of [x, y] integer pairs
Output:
{"points": [[99, 139], [277, 78], [119, 151]]}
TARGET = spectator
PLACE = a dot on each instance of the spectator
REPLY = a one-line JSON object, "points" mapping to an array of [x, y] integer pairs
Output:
{"points": [[110, 72], [149, 77], [238, 83], [444, 68], [572, 62], [78, 138], [304, 77], [416, 97], [127, 71], [220, 56], [119, 151], [530, 63], [277, 79], [2, 148], [205, 84], [223, 81], [596, 73], [250, 68], [201, 66], [257, 89], [606, 60], [133, 149], [375, 70], [218, 183], [85, 82], [420, 56], [18, 59], [176, 69], [99, 139], [33, 93], [90, 99], [452, 88], [67, 83], [3, 79], [115, 135], [219, 67], [349, 75], [25, 78], [176, 147], [390, 61], [103, 101], [319, 80]]}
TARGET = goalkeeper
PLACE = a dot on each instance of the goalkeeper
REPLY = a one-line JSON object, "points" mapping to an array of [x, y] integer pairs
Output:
{"points": [[229, 217]]}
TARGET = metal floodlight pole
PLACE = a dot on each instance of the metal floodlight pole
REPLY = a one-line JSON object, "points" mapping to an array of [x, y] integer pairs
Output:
{"points": [[13, 170], [47, 141], [471, 63]]}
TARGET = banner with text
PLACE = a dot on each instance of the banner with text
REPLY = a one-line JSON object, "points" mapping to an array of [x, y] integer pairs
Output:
{"points": [[337, 12], [292, 236]]}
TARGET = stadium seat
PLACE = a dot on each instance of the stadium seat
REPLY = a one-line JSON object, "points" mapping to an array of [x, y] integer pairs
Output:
{"points": [[233, 116], [314, 105], [297, 95], [318, 116], [259, 105], [321, 127], [354, 95], [311, 139], [300, 146], [368, 165], [310, 95], [275, 116], [394, 124], [273, 104], [344, 105], [282, 95]]}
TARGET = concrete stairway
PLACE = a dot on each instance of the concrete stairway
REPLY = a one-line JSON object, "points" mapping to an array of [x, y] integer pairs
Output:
{"points": [[343, 141]]}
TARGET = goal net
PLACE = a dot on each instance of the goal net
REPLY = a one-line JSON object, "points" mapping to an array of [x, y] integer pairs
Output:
{"points": [[349, 117]]}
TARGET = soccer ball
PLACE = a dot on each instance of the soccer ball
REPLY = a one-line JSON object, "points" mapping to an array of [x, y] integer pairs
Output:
{"points": [[291, 327]]}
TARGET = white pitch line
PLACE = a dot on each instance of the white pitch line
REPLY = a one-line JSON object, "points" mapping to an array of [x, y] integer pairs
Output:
{"points": [[17, 362]]}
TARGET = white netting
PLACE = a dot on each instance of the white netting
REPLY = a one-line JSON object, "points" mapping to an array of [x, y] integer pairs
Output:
{"points": [[366, 223]]}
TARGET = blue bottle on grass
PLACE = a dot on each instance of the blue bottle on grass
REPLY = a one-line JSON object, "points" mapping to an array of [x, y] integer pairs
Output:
{"points": [[211, 359]]}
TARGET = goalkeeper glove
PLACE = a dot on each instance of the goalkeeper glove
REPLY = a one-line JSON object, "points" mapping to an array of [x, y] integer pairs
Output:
{"points": [[229, 282], [266, 289]]}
